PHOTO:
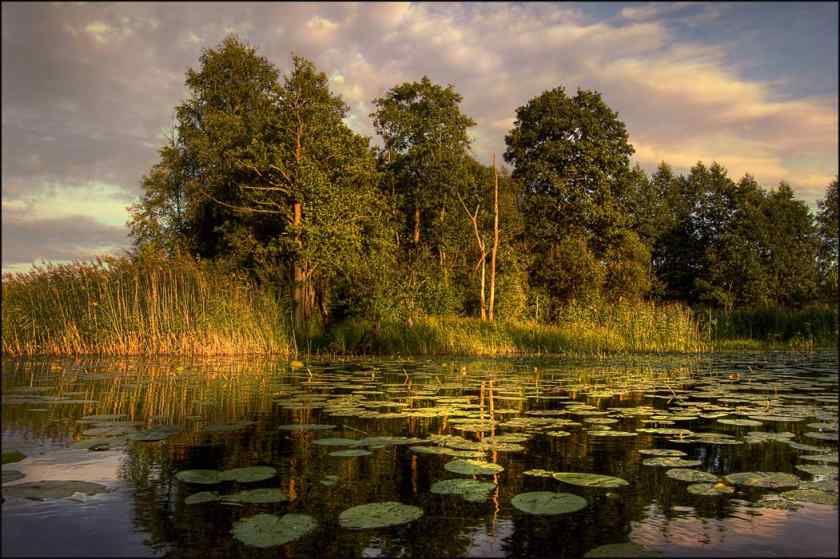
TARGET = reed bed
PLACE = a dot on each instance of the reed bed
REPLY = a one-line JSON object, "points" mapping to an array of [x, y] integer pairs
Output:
{"points": [[133, 306], [806, 328], [640, 327]]}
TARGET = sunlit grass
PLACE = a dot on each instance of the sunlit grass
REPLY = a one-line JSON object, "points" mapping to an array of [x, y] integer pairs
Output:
{"points": [[123, 306], [796, 329]]}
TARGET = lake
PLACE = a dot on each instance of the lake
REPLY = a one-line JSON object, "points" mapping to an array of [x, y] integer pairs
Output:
{"points": [[285, 451]]}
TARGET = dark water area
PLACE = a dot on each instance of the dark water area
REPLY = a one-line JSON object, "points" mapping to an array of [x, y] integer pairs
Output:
{"points": [[153, 418]]}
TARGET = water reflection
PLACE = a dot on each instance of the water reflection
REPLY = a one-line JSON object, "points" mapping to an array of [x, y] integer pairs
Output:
{"points": [[227, 413]]}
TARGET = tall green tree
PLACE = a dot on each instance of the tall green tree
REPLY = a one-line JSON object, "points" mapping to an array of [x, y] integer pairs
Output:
{"points": [[827, 229]]}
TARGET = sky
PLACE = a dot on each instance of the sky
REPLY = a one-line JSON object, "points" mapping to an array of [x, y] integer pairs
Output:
{"points": [[89, 89]]}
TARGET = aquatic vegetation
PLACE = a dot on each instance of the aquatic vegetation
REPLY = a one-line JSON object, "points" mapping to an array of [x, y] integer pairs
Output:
{"points": [[248, 475], [202, 497], [629, 549], [661, 452], [473, 467], [268, 530], [816, 470], [470, 489], [378, 515], [13, 456], [766, 480], [671, 461], [200, 477], [694, 476], [548, 502], [589, 480], [12, 475], [256, 496], [52, 489], [350, 453], [710, 489], [810, 496]]}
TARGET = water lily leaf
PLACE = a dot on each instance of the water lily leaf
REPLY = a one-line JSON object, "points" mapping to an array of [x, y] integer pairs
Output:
{"points": [[661, 452], [248, 475], [557, 434], [257, 496], [473, 467], [13, 456], [710, 489], [740, 422], [268, 530], [378, 515], [350, 453], [329, 481], [605, 433], [622, 550], [52, 489], [12, 475], [202, 497], [810, 496], [470, 489], [672, 462], [766, 480], [821, 436], [336, 441], [548, 502], [156, 434], [201, 477], [818, 470], [589, 480], [827, 458], [538, 473], [694, 476], [306, 427]]}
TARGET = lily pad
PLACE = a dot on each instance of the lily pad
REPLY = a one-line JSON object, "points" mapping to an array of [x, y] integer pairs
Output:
{"points": [[329, 481], [660, 452], [336, 441], [766, 480], [350, 453], [248, 475], [557, 434], [811, 496], [378, 515], [200, 477], [202, 497], [52, 489], [610, 433], [710, 489], [473, 467], [268, 530], [740, 422], [622, 550], [589, 480], [548, 502], [13, 456], [306, 427], [12, 475], [817, 470], [821, 436], [470, 489], [257, 496], [671, 461], [694, 476]]}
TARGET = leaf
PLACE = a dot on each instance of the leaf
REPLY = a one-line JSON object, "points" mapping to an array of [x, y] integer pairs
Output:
{"points": [[268, 530], [548, 502], [378, 515]]}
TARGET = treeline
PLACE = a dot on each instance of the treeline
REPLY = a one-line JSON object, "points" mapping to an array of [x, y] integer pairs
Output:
{"points": [[262, 175]]}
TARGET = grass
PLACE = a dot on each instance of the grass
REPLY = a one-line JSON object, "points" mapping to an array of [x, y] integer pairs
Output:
{"points": [[624, 328], [771, 328], [123, 306]]}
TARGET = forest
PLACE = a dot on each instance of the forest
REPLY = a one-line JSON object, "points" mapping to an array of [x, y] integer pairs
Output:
{"points": [[263, 187]]}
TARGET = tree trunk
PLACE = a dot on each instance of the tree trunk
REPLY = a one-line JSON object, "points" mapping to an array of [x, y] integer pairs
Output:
{"points": [[495, 248], [483, 274], [416, 225], [298, 273]]}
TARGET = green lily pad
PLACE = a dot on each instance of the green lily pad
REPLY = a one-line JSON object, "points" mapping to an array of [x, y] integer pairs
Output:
{"points": [[589, 480], [806, 447], [622, 550], [827, 485], [336, 441], [473, 467], [817, 470], [154, 435], [248, 475], [470, 489], [268, 530], [350, 453], [710, 489], [13, 456], [548, 502], [740, 422], [201, 477], [766, 480], [821, 436], [306, 427], [538, 473], [610, 433], [827, 458], [52, 489], [557, 434], [257, 496], [202, 497], [12, 475], [694, 476], [810, 496], [661, 452], [329, 481], [378, 515], [671, 461]]}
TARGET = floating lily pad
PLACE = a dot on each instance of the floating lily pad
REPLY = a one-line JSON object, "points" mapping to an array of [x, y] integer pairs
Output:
{"points": [[817, 470], [13, 456], [610, 433], [350, 453], [694, 476], [202, 497], [52, 489], [378, 515], [672, 462], [248, 475], [306, 427], [557, 434], [156, 434], [12, 475], [827, 458], [821, 436], [811, 496], [740, 422], [329, 481], [200, 477], [473, 467], [622, 550], [548, 502], [589, 480], [538, 473], [268, 530], [256, 496], [661, 452], [710, 489], [336, 441], [470, 489], [766, 480]]}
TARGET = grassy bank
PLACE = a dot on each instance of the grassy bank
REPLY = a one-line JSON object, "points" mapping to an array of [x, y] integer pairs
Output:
{"points": [[628, 328], [771, 328], [121, 306]]}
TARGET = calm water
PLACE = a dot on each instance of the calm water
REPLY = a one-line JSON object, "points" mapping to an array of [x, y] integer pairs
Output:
{"points": [[227, 413]]}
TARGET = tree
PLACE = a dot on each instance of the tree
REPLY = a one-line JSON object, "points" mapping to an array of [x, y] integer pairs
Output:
{"points": [[827, 229]]}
